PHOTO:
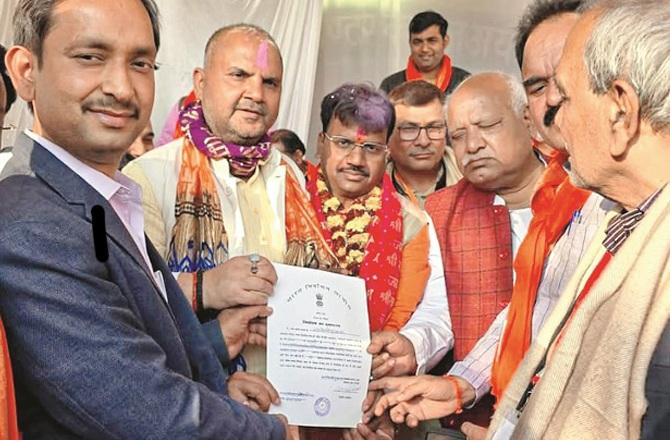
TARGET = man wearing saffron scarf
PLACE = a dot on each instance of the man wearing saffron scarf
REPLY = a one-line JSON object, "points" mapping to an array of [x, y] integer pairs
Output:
{"points": [[600, 367], [223, 162], [427, 41], [482, 220], [563, 225], [377, 235], [220, 193]]}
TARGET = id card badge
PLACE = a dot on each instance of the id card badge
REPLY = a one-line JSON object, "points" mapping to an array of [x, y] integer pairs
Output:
{"points": [[506, 428]]}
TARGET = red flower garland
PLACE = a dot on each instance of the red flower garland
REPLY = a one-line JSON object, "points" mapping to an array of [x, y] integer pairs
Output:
{"points": [[380, 266]]}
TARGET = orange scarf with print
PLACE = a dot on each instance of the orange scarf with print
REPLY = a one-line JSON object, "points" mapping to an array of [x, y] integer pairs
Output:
{"points": [[380, 265], [443, 76], [554, 203], [305, 244], [306, 247], [199, 239], [190, 98]]}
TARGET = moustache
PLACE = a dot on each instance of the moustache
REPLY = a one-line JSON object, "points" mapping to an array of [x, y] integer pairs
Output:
{"points": [[355, 169], [421, 150], [256, 108], [112, 105], [550, 115]]}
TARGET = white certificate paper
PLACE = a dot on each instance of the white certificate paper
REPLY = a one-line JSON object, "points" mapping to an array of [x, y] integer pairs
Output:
{"points": [[317, 339]]}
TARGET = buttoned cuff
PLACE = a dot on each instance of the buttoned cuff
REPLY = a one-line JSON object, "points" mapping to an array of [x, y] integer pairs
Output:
{"points": [[480, 382], [212, 331]]}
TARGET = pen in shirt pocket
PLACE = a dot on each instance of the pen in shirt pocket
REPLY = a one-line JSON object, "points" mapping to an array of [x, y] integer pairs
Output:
{"points": [[576, 218]]}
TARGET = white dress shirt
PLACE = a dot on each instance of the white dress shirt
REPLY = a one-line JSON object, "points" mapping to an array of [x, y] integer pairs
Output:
{"points": [[4, 158], [558, 269], [519, 220], [124, 195], [429, 329], [157, 172]]}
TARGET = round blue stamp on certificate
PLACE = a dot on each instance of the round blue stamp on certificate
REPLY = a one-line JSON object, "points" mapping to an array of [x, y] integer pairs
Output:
{"points": [[322, 406]]}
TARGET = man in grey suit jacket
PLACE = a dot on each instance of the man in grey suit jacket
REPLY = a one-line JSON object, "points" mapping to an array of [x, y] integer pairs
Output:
{"points": [[104, 344]]}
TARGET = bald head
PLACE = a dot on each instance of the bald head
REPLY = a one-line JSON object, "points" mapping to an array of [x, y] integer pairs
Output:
{"points": [[250, 31], [240, 83], [499, 84], [489, 130]]}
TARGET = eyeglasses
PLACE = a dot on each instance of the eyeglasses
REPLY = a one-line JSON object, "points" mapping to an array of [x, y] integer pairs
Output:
{"points": [[346, 145], [411, 132]]}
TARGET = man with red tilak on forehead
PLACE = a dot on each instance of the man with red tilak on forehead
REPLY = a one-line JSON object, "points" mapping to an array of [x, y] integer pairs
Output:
{"points": [[377, 235], [220, 204]]}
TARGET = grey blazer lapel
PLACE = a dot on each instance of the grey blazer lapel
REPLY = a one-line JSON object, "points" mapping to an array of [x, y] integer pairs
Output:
{"points": [[76, 191]]}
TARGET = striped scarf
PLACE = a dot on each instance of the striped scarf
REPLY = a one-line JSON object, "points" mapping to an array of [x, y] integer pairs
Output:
{"points": [[199, 240]]}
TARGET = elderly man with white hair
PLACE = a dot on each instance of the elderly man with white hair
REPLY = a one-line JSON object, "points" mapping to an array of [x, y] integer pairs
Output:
{"points": [[480, 222], [600, 367], [558, 236]]}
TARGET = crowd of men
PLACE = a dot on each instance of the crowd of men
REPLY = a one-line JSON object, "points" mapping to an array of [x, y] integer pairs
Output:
{"points": [[513, 236]]}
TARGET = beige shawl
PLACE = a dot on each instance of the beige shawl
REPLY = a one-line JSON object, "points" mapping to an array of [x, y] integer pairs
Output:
{"points": [[593, 387]]}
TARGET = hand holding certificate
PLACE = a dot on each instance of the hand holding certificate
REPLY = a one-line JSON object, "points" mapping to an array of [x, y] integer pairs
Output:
{"points": [[316, 347]]}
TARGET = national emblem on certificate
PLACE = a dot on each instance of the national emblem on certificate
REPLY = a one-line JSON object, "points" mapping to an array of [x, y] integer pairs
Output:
{"points": [[316, 347]]}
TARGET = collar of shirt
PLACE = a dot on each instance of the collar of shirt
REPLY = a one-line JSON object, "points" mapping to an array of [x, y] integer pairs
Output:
{"points": [[540, 157], [100, 182], [621, 226], [519, 222], [421, 195], [122, 193]]}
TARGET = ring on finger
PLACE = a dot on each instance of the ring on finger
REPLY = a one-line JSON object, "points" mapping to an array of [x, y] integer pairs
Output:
{"points": [[254, 259]]}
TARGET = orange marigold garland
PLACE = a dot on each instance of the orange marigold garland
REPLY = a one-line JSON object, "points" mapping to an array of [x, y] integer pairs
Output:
{"points": [[379, 264], [348, 227]]}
